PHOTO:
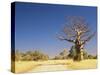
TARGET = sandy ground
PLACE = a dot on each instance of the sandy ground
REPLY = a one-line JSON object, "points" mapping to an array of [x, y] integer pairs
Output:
{"points": [[54, 65]]}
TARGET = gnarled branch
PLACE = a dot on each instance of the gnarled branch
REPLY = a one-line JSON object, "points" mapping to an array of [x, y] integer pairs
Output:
{"points": [[69, 40], [88, 38]]}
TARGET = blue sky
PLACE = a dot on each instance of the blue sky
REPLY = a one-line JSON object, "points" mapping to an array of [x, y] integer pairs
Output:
{"points": [[37, 26]]}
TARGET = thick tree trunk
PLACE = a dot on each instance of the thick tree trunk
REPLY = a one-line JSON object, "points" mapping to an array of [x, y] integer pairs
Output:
{"points": [[79, 52], [79, 48], [81, 55]]}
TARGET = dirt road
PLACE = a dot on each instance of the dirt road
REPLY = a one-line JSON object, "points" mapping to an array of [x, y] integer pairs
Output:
{"points": [[49, 67]]}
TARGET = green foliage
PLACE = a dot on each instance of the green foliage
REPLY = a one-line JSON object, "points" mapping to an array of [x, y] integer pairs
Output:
{"points": [[72, 52], [95, 57], [85, 55], [92, 57]]}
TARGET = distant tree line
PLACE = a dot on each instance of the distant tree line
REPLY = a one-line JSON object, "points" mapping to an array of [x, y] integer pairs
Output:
{"points": [[37, 55], [30, 56]]}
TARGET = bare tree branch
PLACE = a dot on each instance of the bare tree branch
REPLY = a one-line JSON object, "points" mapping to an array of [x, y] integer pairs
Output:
{"points": [[69, 40], [89, 38], [76, 29]]}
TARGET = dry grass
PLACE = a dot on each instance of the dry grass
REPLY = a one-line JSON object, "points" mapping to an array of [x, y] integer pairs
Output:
{"points": [[35, 66], [21, 67], [85, 64]]}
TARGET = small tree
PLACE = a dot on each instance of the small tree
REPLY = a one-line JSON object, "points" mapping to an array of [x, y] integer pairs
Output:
{"points": [[64, 54], [95, 57], [90, 56], [85, 55]]}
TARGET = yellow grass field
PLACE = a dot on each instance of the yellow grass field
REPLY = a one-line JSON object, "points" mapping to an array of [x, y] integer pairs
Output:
{"points": [[53, 65]]}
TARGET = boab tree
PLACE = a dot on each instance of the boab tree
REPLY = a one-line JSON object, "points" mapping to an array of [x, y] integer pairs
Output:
{"points": [[77, 32]]}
